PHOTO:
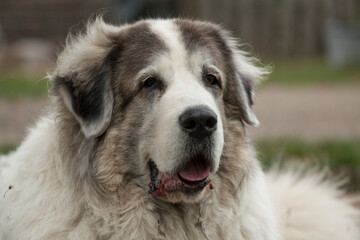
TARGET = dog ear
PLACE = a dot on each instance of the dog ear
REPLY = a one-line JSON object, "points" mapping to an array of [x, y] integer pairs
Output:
{"points": [[82, 79], [91, 103], [244, 76]]}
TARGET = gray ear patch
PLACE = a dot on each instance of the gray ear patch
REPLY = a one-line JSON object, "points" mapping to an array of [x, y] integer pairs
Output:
{"points": [[90, 100]]}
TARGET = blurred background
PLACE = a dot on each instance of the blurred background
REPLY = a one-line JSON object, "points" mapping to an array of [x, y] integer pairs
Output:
{"points": [[309, 107]]}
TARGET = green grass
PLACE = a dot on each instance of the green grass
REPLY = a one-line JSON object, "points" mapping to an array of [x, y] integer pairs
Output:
{"points": [[342, 156], [17, 84], [7, 148], [310, 72]]}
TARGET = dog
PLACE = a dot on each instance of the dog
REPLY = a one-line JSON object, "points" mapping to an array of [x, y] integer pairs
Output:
{"points": [[145, 138]]}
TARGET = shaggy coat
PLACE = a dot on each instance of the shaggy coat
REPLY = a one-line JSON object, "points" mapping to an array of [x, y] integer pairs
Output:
{"points": [[117, 91]]}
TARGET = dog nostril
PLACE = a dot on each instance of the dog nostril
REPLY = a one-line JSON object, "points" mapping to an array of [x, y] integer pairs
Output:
{"points": [[211, 122], [190, 124]]}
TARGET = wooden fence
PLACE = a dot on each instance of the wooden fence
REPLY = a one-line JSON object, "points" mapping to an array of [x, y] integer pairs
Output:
{"points": [[272, 27], [276, 27]]}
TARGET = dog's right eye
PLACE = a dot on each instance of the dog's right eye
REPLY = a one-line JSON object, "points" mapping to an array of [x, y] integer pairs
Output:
{"points": [[212, 80], [150, 82]]}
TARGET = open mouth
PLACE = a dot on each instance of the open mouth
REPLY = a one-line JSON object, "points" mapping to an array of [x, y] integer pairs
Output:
{"points": [[193, 177]]}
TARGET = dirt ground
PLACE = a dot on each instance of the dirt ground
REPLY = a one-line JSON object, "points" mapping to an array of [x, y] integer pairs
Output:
{"points": [[310, 113]]}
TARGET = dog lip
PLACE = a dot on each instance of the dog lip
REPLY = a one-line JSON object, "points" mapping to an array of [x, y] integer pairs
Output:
{"points": [[161, 184], [192, 183]]}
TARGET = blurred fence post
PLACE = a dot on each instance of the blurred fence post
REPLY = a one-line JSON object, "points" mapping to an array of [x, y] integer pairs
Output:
{"points": [[276, 27]]}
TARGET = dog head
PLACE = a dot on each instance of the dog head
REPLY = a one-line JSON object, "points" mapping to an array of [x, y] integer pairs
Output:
{"points": [[154, 97]]}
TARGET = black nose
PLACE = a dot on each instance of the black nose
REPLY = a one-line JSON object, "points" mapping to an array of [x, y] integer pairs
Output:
{"points": [[198, 122]]}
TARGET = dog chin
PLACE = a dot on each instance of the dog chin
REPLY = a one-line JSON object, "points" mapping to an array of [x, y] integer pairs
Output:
{"points": [[176, 197]]}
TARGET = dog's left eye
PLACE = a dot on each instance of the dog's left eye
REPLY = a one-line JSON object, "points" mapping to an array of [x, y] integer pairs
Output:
{"points": [[150, 82], [212, 80]]}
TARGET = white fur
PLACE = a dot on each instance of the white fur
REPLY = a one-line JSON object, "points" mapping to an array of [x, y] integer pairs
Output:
{"points": [[39, 206], [312, 207]]}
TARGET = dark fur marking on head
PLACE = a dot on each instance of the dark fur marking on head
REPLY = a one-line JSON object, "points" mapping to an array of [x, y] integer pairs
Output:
{"points": [[137, 45]]}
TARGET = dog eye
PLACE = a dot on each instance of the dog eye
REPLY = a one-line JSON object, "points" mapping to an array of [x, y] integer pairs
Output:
{"points": [[150, 82], [212, 80]]}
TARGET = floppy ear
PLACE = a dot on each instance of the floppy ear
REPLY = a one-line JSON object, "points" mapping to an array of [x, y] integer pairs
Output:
{"points": [[91, 103], [239, 92], [82, 79]]}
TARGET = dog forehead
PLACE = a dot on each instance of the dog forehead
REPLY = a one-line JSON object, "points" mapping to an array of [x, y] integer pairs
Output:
{"points": [[176, 59], [169, 33], [172, 48], [137, 46], [182, 57]]}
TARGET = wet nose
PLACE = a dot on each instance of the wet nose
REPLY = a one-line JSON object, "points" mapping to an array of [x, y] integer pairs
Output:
{"points": [[198, 122]]}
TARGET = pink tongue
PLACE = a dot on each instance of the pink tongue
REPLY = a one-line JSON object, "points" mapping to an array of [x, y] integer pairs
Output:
{"points": [[195, 171]]}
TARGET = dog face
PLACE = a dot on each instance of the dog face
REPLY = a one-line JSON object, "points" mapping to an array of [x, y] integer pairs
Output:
{"points": [[155, 96]]}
